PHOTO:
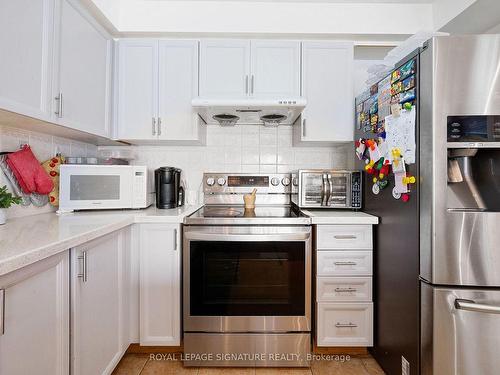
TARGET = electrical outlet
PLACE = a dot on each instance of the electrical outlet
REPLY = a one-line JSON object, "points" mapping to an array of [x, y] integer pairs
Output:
{"points": [[405, 366]]}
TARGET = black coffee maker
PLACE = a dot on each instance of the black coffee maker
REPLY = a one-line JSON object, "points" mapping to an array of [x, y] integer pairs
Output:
{"points": [[169, 192]]}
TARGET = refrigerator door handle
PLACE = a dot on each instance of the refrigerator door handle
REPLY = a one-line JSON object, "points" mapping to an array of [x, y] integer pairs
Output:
{"points": [[470, 305]]}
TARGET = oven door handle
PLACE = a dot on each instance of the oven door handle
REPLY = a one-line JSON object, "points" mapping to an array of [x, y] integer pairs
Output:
{"points": [[203, 236]]}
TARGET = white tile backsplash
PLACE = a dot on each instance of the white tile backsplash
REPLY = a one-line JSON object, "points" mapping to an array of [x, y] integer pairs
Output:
{"points": [[241, 149], [44, 147]]}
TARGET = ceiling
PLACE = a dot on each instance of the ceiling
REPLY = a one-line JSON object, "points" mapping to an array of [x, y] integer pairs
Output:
{"points": [[334, 1]]}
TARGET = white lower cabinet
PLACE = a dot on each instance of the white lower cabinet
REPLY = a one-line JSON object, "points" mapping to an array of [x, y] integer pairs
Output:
{"points": [[344, 308], [98, 306], [34, 310], [345, 324], [160, 284]]}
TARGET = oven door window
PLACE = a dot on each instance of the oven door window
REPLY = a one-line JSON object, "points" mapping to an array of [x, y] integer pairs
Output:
{"points": [[338, 189], [247, 278], [313, 189]]}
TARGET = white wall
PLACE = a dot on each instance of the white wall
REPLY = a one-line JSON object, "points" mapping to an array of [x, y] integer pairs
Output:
{"points": [[248, 149], [43, 147], [272, 17], [445, 10]]}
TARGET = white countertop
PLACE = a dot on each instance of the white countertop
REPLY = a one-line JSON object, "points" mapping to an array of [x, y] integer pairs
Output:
{"points": [[26, 240], [325, 216]]}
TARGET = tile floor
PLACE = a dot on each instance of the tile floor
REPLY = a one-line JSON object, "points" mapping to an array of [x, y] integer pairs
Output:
{"points": [[139, 364]]}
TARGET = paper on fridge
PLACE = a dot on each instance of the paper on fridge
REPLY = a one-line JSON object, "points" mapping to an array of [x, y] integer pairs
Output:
{"points": [[400, 133]]}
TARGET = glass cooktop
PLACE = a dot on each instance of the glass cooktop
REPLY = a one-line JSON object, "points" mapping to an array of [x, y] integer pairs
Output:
{"points": [[235, 214]]}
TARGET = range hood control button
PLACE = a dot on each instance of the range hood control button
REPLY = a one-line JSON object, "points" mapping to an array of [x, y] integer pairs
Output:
{"points": [[275, 181], [210, 181], [221, 181]]}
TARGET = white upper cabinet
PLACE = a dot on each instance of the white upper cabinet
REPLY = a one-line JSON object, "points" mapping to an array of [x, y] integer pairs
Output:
{"points": [[137, 89], [26, 56], [224, 68], [178, 85], [242, 68], [83, 86], [34, 312], [327, 85], [275, 68], [156, 82]]}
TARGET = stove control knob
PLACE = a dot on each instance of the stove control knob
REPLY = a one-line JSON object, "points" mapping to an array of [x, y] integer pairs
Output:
{"points": [[221, 181], [210, 181], [275, 181], [285, 181]]}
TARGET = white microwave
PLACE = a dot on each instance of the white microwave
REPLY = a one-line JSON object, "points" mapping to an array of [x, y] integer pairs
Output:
{"points": [[97, 187]]}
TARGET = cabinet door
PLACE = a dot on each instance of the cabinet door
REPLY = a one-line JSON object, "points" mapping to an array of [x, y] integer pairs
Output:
{"points": [[160, 284], [25, 64], [178, 85], [84, 72], [34, 307], [224, 68], [327, 84], [275, 68], [96, 307], [137, 89]]}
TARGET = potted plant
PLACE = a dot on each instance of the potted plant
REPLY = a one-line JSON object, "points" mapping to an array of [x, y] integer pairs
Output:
{"points": [[6, 200]]}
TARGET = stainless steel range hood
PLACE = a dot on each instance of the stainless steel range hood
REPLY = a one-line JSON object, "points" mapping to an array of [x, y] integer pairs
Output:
{"points": [[269, 112]]}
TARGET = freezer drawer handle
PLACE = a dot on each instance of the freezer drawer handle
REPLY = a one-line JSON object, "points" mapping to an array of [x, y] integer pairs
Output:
{"points": [[344, 237], [345, 263], [345, 325], [345, 290], [469, 305]]}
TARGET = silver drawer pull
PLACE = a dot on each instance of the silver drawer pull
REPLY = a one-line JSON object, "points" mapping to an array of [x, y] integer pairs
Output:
{"points": [[83, 274], [345, 325], [345, 263], [345, 237], [469, 305], [345, 290]]}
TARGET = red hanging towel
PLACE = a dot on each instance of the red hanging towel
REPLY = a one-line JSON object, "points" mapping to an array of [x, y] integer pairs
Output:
{"points": [[29, 173]]}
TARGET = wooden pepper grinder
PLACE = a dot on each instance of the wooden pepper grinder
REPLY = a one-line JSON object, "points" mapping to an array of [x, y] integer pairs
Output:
{"points": [[250, 200]]}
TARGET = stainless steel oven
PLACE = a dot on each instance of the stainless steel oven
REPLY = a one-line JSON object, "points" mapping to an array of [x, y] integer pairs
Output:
{"points": [[319, 188], [247, 281]]}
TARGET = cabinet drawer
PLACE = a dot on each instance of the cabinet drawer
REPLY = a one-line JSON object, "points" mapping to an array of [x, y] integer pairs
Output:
{"points": [[344, 289], [345, 324], [344, 237], [344, 263]]}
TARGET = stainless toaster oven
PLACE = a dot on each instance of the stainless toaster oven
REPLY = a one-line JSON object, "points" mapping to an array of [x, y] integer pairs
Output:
{"points": [[320, 188]]}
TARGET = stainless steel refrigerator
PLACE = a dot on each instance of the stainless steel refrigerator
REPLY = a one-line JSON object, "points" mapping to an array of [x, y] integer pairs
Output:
{"points": [[437, 256]]}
